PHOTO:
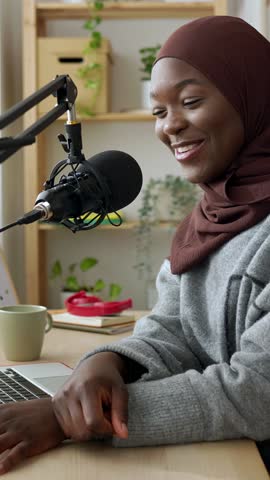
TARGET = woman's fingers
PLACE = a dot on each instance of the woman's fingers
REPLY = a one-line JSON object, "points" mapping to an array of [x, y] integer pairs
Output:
{"points": [[27, 429], [94, 401], [96, 418], [119, 411], [80, 414], [6, 441], [12, 457]]}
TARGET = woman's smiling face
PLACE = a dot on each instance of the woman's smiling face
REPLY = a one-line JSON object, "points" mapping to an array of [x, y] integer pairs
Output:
{"points": [[198, 124]]}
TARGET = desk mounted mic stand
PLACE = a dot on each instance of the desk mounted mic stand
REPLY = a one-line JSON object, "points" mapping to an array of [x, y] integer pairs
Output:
{"points": [[63, 88]]}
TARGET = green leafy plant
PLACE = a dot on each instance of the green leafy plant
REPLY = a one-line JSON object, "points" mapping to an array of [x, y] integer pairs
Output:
{"points": [[72, 282], [181, 198], [148, 56], [91, 73]]}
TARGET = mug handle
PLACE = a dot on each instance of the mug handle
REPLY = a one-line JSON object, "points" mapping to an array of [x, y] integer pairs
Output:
{"points": [[49, 323]]}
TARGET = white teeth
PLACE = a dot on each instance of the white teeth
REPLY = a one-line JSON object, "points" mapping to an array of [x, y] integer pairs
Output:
{"points": [[186, 148]]}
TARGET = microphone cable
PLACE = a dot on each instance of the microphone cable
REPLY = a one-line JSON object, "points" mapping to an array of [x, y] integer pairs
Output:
{"points": [[29, 217]]}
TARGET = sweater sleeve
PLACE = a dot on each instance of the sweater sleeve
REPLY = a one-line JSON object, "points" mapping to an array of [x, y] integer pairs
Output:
{"points": [[225, 401], [158, 343], [176, 400]]}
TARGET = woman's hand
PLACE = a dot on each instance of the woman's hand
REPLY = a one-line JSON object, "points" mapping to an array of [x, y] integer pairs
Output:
{"points": [[93, 403], [26, 429]]}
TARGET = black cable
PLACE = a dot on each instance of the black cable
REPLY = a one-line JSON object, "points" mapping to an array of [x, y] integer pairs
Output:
{"points": [[8, 226], [120, 220], [29, 217]]}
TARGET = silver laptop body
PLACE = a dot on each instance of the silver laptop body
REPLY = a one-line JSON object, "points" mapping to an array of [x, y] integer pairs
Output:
{"points": [[30, 381]]}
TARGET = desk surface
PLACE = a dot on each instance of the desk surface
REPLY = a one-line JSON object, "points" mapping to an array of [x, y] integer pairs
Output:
{"points": [[230, 460]]}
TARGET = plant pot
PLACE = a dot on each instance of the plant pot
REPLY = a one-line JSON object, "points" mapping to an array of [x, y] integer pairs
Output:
{"points": [[166, 211], [145, 94], [63, 296], [163, 206]]}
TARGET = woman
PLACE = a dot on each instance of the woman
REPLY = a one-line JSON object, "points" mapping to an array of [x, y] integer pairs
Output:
{"points": [[197, 368]]}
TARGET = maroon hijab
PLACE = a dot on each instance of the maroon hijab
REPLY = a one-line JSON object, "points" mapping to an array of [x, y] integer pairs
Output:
{"points": [[236, 59]]}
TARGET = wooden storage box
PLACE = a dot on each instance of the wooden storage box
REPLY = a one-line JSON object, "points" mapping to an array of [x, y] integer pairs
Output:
{"points": [[64, 56]]}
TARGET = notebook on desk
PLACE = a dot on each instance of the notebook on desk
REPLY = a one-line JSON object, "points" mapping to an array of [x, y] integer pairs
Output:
{"points": [[31, 381], [110, 324]]}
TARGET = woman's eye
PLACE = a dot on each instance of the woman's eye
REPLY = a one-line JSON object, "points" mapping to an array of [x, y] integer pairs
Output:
{"points": [[158, 113], [189, 102]]}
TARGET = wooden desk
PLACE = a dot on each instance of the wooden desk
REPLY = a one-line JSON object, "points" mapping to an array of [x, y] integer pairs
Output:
{"points": [[230, 460]]}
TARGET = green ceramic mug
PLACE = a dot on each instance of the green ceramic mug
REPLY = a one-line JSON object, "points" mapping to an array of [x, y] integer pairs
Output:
{"points": [[22, 329]]}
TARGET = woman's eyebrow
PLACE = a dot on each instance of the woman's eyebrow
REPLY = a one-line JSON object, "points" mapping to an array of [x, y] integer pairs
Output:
{"points": [[182, 84]]}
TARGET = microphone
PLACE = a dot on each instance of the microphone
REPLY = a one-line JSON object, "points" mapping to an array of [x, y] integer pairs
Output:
{"points": [[106, 182]]}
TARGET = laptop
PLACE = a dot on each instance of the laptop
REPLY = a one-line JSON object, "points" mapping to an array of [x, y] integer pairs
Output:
{"points": [[31, 381]]}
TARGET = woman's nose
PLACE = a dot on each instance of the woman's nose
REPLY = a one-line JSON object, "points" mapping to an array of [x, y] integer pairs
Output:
{"points": [[174, 123]]}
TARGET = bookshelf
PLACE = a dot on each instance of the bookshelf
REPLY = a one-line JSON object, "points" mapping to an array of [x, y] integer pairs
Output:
{"points": [[36, 17]]}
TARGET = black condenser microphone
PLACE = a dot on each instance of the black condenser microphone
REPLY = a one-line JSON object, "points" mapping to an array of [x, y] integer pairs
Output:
{"points": [[105, 183]]}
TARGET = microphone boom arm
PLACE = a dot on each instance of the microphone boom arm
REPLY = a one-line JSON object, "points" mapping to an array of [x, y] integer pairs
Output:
{"points": [[61, 87], [65, 90]]}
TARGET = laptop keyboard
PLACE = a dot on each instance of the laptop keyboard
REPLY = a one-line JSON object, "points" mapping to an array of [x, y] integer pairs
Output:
{"points": [[15, 388]]}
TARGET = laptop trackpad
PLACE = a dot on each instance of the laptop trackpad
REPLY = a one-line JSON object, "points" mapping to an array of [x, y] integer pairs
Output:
{"points": [[52, 384]]}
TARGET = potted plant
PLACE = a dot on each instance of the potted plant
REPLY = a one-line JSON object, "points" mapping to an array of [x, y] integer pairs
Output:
{"points": [[169, 200], [148, 56], [72, 282]]}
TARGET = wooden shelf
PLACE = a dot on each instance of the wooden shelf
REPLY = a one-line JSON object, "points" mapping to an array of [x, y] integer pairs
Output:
{"points": [[165, 225], [136, 116], [138, 9], [54, 226]]}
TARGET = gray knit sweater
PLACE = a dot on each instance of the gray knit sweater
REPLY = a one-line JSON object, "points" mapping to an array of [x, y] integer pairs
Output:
{"points": [[206, 348]]}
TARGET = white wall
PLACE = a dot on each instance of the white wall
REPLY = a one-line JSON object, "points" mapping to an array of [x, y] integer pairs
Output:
{"points": [[11, 186], [253, 11]]}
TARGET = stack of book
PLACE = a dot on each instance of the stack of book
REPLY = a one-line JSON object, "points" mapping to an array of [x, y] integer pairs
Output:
{"points": [[109, 324]]}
